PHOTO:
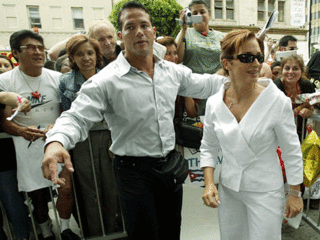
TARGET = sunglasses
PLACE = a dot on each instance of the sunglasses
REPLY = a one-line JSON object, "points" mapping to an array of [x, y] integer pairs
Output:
{"points": [[293, 48], [249, 57], [33, 48]]}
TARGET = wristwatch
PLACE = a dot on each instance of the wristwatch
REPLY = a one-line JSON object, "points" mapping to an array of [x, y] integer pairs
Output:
{"points": [[294, 193]]}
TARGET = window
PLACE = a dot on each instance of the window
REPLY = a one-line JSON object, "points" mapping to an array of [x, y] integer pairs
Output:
{"points": [[261, 10], [34, 16], [11, 15], [224, 9], [77, 17], [271, 7], [266, 7], [218, 9], [281, 11], [56, 17], [230, 9]]}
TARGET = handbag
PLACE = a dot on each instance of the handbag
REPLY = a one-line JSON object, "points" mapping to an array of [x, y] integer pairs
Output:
{"points": [[187, 134], [175, 170]]}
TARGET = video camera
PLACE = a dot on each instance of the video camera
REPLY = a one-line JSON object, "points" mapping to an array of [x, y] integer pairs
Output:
{"points": [[190, 19]]}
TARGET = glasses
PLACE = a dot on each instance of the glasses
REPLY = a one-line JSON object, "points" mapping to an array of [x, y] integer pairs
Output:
{"points": [[249, 57], [292, 48], [33, 48]]}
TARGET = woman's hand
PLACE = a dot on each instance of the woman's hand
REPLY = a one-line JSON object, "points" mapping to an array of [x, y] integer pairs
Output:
{"points": [[305, 110], [210, 196], [294, 206], [183, 18]]}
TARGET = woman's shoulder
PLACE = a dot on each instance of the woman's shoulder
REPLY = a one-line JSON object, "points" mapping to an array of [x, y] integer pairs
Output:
{"points": [[279, 84], [67, 76], [307, 86]]}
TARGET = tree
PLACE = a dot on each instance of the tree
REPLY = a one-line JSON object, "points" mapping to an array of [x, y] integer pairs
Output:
{"points": [[163, 12]]}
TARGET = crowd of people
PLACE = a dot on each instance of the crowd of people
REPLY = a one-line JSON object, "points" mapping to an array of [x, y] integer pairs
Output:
{"points": [[105, 112]]}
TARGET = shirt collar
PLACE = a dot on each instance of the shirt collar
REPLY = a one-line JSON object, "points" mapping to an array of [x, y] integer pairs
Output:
{"points": [[125, 67]]}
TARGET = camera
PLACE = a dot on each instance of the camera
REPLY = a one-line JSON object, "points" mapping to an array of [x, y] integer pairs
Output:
{"points": [[190, 19]]}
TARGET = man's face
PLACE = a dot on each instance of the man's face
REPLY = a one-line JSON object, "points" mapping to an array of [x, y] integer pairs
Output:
{"points": [[30, 55], [137, 32], [107, 40], [292, 45]]}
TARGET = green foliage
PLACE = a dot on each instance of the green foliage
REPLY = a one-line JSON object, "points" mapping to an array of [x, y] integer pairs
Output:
{"points": [[163, 13]]}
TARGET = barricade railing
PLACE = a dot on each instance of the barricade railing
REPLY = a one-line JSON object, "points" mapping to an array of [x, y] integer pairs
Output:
{"points": [[55, 222], [314, 223]]}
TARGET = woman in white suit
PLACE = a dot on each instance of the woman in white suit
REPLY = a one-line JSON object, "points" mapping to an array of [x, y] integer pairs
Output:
{"points": [[249, 119]]}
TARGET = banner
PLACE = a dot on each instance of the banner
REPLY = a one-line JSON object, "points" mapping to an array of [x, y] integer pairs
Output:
{"points": [[298, 9], [196, 176], [10, 56]]}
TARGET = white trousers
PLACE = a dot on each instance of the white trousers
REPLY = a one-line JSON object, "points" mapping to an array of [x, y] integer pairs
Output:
{"points": [[250, 215]]}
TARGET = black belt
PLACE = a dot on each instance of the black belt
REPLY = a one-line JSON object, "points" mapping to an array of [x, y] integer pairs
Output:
{"points": [[142, 159]]}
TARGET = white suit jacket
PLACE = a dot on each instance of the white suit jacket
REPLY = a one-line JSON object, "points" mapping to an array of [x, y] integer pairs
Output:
{"points": [[250, 161]]}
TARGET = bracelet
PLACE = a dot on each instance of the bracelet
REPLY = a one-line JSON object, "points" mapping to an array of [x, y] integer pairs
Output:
{"points": [[294, 193]]}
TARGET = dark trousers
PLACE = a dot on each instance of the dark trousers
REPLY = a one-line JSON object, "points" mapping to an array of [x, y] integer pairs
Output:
{"points": [[151, 210]]}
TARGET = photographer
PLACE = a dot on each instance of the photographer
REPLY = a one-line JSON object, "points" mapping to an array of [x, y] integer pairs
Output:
{"points": [[199, 47]]}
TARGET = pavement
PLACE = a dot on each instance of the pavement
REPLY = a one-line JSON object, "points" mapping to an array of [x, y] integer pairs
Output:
{"points": [[201, 223]]}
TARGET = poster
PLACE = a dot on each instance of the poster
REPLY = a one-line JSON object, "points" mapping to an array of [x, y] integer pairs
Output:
{"points": [[196, 176], [298, 9]]}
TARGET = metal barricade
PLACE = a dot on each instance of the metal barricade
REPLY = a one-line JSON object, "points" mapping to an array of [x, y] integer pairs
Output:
{"points": [[55, 222], [315, 224]]}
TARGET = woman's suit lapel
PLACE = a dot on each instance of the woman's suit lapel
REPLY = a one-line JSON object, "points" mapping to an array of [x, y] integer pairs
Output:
{"points": [[236, 136], [259, 109]]}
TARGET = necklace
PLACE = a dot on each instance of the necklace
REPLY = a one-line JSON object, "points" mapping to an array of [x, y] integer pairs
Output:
{"points": [[293, 94], [231, 103], [35, 94]]}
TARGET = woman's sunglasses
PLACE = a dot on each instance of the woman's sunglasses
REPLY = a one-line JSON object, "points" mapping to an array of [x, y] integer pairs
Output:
{"points": [[249, 57]]}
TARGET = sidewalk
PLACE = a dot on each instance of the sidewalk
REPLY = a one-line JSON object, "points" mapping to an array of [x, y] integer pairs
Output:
{"points": [[201, 223]]}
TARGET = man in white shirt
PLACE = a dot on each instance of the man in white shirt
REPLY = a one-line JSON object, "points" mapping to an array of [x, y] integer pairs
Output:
{"points": [[40, 87], [136, 95]]}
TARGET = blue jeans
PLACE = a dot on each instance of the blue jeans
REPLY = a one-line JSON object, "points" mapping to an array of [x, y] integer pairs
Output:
{"points": [[151, 210], [13, 202]]}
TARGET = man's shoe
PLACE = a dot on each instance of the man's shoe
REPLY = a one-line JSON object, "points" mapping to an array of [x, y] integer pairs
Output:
{"points": [[69, 235]]}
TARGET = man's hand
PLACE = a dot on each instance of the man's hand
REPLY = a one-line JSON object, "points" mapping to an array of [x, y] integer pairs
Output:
{"points": [[55, 153], [31, 133]]}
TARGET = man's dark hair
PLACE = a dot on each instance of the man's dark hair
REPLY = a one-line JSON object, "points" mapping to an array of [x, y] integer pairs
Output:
{"points": [[17, 37], [284, 40], [194, 2], [131, 5], [275, 64]]}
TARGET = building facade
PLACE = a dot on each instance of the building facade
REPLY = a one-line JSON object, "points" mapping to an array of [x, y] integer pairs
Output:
{"points": [[55, 20], [252, 14], [315, 23], [60, 19]]}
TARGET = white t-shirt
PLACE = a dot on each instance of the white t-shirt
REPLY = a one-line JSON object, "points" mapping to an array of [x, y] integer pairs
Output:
{"points": [[29, 160]]}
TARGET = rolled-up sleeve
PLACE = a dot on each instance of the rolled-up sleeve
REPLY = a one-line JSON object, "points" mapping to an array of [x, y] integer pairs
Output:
{"points": [[73, 125], [199, 85], [286, 132], [209, 143]]}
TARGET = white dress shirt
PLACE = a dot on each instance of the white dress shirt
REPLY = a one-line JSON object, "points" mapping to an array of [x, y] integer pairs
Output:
{"points": [[139, 110], [250, 161]]}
